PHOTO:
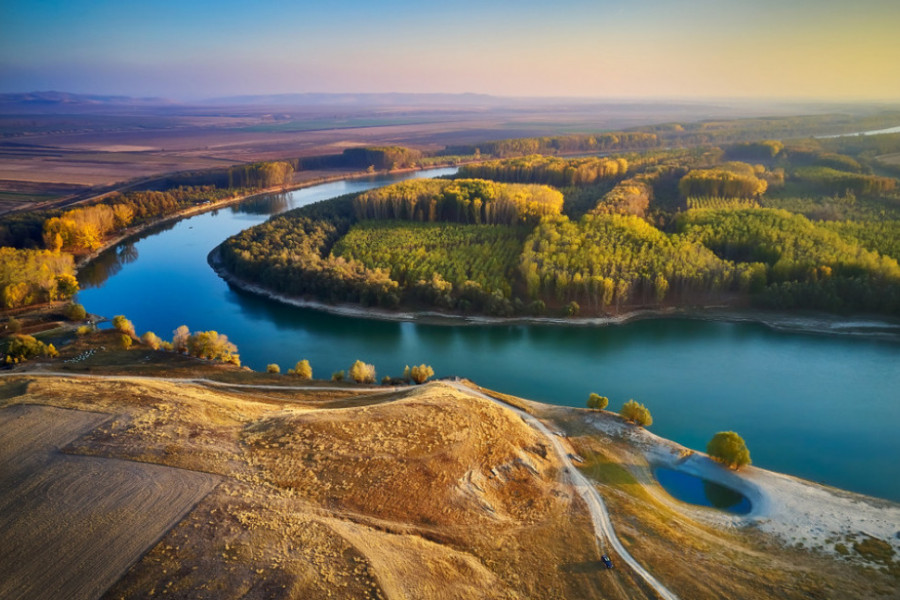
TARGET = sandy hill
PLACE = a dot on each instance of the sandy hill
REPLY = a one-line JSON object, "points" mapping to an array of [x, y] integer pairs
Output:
{"points": [[184, 489]]}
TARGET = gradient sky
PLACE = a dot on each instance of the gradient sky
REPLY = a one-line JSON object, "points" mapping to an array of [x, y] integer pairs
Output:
{"points": [[783, 49]]}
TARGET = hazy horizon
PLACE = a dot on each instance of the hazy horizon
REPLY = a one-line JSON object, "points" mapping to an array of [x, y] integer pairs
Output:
{"points": [[804, 51]]}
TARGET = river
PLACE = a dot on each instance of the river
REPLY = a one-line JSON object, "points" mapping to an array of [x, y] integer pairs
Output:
{"points": [[822, 407]]}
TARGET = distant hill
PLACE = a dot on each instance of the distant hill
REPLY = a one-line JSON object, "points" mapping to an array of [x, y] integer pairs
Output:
{"points": [[361, 99], [53, 98]]}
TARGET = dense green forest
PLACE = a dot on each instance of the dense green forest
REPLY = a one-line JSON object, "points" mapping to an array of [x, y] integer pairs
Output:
{"points": [[789, 224]]}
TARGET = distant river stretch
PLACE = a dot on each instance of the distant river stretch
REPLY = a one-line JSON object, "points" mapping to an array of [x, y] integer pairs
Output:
{"points": [[826, 408]]}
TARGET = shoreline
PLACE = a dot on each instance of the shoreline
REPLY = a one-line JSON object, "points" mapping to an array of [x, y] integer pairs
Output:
{"points": [[84, 259], [813, 323], [794, 509]]}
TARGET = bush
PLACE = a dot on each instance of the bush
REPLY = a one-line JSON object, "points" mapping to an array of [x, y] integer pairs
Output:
{"points": [[212, 346], [14, 325], [636, 413], [273, 368], [23, 347], [125, 341], [597, 402], [361, 372], [302, 370], [75, 312], [123, 325], [151, 340], [729, 448], [421, 373], [84, 330], [337, 376]]}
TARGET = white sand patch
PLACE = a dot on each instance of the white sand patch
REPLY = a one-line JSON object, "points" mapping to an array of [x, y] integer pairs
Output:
{"points": [[795, 510]]}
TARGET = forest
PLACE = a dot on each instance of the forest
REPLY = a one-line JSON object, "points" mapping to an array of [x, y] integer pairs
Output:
{"points": [[787, 224]]}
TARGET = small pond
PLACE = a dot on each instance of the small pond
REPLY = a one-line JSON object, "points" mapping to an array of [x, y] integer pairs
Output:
{"points": [[694, 490]]}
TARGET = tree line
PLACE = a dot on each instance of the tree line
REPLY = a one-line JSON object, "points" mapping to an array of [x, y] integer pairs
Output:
{"points": [[474, 201], [548, 170]]}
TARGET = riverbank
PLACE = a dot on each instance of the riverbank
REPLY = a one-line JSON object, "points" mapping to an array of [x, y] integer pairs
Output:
{"points": [[798, 512], [83, 260], [799, 323]]}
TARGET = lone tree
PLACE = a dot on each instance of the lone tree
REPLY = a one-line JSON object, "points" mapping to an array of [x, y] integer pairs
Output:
{"points": [[597, 402], [729, 448], [302, 370], [421, 373], [273, 368], [362, 372], [636, 413]]}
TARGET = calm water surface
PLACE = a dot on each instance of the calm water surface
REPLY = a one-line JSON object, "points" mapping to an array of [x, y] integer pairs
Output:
{"points": [[695, 490], [826, 408]]}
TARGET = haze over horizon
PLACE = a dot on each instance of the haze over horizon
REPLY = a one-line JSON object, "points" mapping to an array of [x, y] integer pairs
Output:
{"points": [[824, 50]]}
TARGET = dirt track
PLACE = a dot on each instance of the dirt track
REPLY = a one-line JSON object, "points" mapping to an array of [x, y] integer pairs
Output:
{"points": [[72, 525]]}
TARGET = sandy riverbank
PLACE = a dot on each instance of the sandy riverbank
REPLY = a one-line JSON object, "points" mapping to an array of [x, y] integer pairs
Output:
{"points": [[797, 511]]}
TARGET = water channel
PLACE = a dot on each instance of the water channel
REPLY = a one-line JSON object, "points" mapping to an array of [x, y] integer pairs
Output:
{"points": [[823, 407]]}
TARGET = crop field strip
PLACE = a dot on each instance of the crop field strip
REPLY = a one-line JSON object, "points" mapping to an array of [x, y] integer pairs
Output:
{"points": [[73, 525]]}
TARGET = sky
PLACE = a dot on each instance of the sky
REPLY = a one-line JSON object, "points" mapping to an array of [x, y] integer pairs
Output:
{"points": [[663, 49]]}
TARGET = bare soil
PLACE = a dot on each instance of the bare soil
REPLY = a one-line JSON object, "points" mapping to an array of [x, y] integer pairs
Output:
{"points": [[72, 525]]}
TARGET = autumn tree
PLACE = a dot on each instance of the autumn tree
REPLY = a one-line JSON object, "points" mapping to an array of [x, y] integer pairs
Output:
{"points": [[636, 413], [597, 402], [180, 339], [75, 312], [123, 325], [421, 374], [151, 340], [729, 448], [211, 345], [361, 372], [125, 341], [273, 368], [22, 347], [302, 369]]}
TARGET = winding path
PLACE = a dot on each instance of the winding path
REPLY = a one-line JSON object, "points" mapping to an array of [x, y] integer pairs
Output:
{"points": [[603, 528]]}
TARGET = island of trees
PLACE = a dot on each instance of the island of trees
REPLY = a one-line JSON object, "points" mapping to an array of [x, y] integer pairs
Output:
{"points": [[781, 224]]}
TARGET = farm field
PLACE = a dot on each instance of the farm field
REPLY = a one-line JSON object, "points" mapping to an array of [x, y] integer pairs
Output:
{"points": [[73, 525]]}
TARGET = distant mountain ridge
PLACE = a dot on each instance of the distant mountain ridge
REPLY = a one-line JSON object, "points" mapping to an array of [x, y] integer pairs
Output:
{"points": [[58, 98]]}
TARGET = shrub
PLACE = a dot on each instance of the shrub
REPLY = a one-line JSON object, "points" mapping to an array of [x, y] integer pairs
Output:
{"points": [[302, 370], [123, 325], [273, 368], [151, 340], [729, 448], [75, 312], [361, 372], [597, 402], [84, 330], [23, 347], [636, 413], [337, 376], [125, 341], [14, 325], [421, 373]]}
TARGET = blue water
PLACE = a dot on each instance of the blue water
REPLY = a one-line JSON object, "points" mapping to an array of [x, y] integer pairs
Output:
{"points": [[695, 490], [826, 408]]}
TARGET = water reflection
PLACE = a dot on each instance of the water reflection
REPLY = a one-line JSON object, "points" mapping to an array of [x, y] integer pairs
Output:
{"points": [[270, 204], [107, 264]]}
